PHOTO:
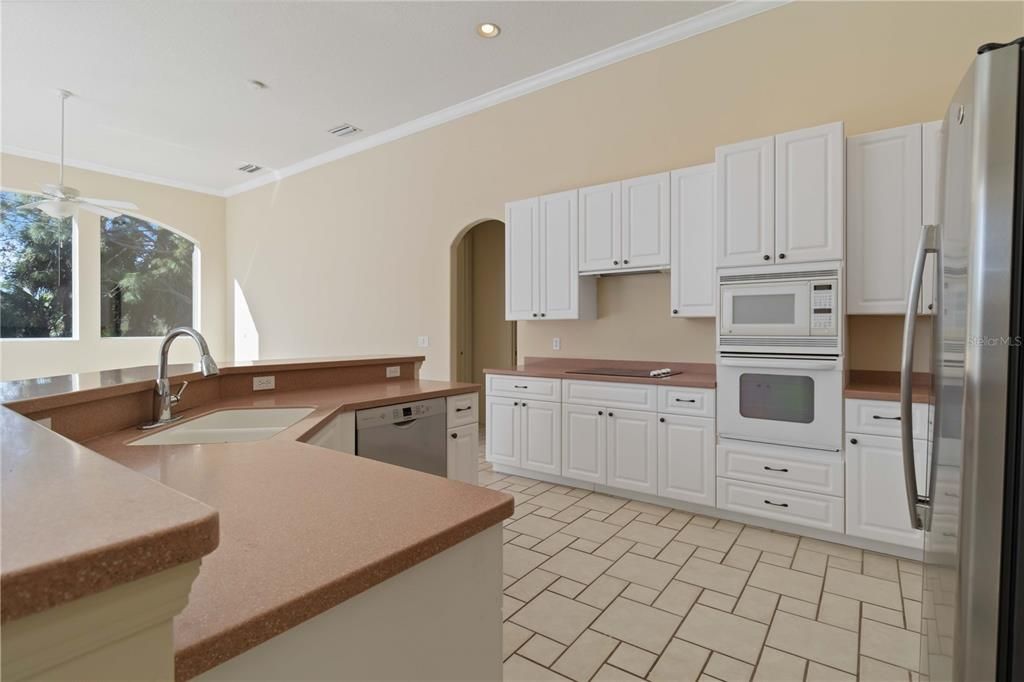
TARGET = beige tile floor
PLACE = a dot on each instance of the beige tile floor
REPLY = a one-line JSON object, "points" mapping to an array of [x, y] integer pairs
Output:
{"points": [[605, 588]]}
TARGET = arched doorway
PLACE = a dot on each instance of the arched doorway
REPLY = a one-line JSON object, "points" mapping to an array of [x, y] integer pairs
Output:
{"points": [[482, 338]]}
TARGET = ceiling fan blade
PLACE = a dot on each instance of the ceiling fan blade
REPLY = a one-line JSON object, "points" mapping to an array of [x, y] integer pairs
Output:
{"points": [[33, 205], [98, 210], [55, 208], [110, 204]]}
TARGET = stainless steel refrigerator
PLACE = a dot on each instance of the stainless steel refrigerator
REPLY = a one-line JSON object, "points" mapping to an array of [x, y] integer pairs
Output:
{"points": [[970, 507]]}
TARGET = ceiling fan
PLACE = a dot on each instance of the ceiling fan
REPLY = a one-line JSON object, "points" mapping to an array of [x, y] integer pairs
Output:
{"points": [[63, 201]]}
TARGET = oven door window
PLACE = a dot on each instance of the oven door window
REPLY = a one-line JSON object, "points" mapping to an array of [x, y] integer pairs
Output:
{"points": [[764, 309], [777, 397]]}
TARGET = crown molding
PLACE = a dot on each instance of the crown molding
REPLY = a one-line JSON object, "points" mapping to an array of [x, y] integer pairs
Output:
{"points": [[100, 168], [673, 33]]}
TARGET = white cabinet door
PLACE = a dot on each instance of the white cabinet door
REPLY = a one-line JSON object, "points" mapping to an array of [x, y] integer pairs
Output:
{"points": [[931, 179], [645, 222], [584, 443], [559, 275], [883, 218], [503, 431], [633, 450], [541, 434], [686, 459], [463, 445], [876, 501], [692, 242], [522, 279], [600, 232], [744, 203], [810, 190]]}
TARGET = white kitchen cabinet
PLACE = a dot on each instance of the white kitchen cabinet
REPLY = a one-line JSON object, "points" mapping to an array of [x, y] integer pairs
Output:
{"points": [[541, 268], [692, 241], [745, 203], [600, 231], [524, 433], [686, 459], [463, 446], [584, 443], [809, 194], [883, 219], [645, 222], [633, 450], [876, 500]]}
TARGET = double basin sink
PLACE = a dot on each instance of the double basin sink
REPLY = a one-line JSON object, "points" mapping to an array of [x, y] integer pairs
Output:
{"points": [[229, 426]]}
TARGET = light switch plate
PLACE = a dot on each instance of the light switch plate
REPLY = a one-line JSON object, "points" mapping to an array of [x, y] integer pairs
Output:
{"points": [[262, 383], [422, 341], [556, 343], [392, 372]]}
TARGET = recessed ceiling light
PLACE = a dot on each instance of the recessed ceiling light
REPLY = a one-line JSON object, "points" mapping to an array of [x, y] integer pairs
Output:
{"points": [[488, 30]]}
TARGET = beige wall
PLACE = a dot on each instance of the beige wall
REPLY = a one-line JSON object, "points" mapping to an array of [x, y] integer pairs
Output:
{"points": [[354, 256], [493, 337], [199, 216]]}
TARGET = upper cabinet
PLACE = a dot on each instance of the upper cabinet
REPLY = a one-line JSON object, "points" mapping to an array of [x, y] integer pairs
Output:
{"points": [[780, 199], [889, 175], [745, 203], [693, 242], [541, 269], [624, 226]]}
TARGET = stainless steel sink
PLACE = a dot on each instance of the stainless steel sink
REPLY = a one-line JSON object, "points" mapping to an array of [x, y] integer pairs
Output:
{"points": [[229, 426]]}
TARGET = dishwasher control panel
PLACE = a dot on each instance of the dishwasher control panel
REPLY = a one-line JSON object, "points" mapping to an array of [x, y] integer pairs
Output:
{"points": [[393, 414]]}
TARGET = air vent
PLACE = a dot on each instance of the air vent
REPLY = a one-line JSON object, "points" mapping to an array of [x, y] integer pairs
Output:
{"points": [[798, 341], [343, 130], [250, 168], [774, 276]]}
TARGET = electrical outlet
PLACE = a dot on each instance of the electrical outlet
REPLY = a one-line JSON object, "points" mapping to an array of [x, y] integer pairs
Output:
{"points": [[392, 372], [556, 343], [422, 341], [262, 383]]}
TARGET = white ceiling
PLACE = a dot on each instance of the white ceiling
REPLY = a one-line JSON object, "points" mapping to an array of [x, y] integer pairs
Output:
{"points": [[161, 87]]}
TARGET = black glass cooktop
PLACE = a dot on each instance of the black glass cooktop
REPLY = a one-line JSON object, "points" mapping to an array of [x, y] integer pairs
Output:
{"points": [[656, 373]]}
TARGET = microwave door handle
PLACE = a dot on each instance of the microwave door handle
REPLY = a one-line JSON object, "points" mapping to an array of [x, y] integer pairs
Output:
{"points": [[917, 505], [776, 363]]}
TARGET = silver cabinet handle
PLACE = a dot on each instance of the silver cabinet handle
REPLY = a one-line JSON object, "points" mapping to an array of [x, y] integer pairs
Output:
{"points": [[918, 505]]}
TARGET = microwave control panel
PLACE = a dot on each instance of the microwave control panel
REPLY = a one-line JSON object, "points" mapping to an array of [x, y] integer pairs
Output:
{"points": [[824, 307]]}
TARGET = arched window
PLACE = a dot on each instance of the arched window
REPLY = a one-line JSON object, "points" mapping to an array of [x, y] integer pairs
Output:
{"points": [[35, 271], [146, 278]]}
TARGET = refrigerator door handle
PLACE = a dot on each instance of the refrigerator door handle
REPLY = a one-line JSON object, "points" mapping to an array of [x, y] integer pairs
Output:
{"points": [[918, 505]]}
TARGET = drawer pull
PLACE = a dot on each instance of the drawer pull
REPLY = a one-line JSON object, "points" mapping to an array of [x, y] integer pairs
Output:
{"points": [[783, 470], [777, 504], [463, 409], [686, 400], [518, 386], [892, 419]]}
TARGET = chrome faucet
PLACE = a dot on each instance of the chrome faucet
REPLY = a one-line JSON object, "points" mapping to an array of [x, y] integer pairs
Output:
{"points": [[164, 398]]}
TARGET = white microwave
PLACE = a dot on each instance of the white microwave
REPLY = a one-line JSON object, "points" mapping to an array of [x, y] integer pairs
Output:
{"points": [[768, 309]]}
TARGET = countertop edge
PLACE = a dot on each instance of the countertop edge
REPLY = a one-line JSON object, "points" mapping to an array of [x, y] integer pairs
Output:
{"points": [[690, 380], [207, 654]]}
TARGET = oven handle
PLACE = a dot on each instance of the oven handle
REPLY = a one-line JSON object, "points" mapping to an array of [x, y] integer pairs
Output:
{"points": [[917, 504], [778, 363]]}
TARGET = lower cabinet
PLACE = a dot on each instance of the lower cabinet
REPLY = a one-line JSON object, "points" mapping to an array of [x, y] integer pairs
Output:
{"points": [[524, 433], [633, 450], [584, 443], [876, 498], [463, 445], [686, 459]]}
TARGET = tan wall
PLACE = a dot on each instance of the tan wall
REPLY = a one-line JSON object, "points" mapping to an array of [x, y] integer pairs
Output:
{"points": [[199, 216], [493, 337], [355, 256]]}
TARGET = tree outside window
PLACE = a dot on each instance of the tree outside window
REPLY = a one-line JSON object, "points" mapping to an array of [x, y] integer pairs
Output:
{"points": [[145, 278], [35, 271]]}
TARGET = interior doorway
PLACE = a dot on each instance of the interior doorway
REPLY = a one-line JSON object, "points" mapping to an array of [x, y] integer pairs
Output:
{"points": [[482, 336]]}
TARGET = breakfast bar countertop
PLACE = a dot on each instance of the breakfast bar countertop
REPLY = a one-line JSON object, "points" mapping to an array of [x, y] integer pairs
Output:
{"points": [[692, 374]]}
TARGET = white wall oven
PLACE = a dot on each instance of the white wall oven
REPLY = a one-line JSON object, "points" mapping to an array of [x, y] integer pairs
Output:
{"points": [[792, 310], [792, 400]]}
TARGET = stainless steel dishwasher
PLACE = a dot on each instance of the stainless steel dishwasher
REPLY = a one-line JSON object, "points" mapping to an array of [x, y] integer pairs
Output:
{"points": [[411, 435]]}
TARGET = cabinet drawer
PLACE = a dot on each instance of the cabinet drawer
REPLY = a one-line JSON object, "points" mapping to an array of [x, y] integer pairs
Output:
{"points": [[463, 409], [692, 402], [515, 386], [781, 466], [463, 445], [881, 418], [611, 394], [806, 509]]}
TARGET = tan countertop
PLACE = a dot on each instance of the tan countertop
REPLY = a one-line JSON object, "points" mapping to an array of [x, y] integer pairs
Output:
{"points": [[879, 385], [693, 374], [302, 528]]}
